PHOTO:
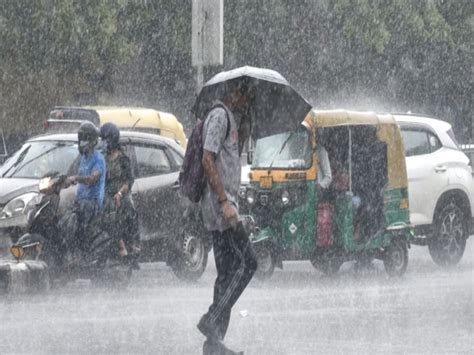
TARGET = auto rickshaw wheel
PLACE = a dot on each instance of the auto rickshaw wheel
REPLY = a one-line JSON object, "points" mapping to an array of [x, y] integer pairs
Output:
{"points": [[191, 259], [265, 262], [448, 242], [396, 258]]}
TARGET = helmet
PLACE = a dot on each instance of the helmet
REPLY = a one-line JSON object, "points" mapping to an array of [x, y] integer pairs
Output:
{"points": [[110, 134], [88, 135]]}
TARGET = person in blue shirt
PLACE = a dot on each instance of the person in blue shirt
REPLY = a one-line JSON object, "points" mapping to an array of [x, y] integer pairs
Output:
{"points": [[91, 179]]}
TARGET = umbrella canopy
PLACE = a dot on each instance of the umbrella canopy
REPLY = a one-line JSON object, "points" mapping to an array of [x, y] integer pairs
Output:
{"points": [[277, 107]]}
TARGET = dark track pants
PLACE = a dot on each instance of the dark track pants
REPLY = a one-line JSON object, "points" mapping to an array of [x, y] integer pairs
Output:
{"points": [[235, 264]]}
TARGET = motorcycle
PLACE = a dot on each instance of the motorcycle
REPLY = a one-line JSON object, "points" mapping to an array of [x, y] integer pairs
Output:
{"points": [[102, 258]]}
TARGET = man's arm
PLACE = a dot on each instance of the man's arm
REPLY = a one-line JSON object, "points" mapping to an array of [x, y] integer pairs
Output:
{"points": [[87, 180], [97, 170]]}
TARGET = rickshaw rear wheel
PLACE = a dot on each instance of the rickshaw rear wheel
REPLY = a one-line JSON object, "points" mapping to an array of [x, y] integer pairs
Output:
{"points": [[448, 241], [265, 262], [395, 259]]}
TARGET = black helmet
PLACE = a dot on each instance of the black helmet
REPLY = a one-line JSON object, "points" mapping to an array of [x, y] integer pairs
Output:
{"points": [[88, 135], [110, 133]]}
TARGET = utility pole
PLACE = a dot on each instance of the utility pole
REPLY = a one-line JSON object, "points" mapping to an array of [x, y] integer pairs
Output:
{"points": [[207, 40]]}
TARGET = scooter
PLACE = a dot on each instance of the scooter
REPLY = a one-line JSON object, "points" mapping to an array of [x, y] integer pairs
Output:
{"points": [[101, 258]]}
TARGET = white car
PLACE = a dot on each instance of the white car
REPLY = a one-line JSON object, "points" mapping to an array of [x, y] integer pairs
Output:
{"points": [[468, 149], [440, 187]]}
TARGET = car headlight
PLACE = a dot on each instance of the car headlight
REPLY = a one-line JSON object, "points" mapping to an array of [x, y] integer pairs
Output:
{"points": [[18, 205], [285, 197], [250, 197]]}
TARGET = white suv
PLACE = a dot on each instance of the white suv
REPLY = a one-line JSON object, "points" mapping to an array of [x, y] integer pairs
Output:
{"points": [[440, 186]]}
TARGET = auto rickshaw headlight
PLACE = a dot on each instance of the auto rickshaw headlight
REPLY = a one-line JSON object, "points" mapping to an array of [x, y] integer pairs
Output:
{"points": [[285, 197], [250, 197]]}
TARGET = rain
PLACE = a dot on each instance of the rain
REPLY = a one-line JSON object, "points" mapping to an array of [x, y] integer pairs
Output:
{"points": [[68, 61]]}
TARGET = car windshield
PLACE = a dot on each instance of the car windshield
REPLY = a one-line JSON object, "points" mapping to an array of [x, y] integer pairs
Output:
{"points": [[290, 150], [36, 159]]}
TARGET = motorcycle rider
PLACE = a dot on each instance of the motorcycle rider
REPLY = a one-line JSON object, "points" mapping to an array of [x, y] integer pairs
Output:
{"points": [[118, 184], [89, 199]]}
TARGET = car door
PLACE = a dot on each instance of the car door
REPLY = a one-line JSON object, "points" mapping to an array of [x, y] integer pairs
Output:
{"points": [[427, 169], [156, 182]]}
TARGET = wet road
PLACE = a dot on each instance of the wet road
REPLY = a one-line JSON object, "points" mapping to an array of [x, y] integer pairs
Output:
{"points": [[298, 311]]}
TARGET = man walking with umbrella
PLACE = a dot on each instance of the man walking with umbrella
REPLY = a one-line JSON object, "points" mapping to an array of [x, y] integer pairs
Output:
{"points": [[265, 94], [235, 262]]}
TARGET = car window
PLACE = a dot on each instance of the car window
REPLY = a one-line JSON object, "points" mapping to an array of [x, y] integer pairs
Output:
{"points": [[435, 143], [151, 160], [416, 142], [178, 159], [35, 159]]}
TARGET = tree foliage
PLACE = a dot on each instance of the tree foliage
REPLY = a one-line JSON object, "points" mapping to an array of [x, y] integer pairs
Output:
{"points": [[54, 50], [407, 55]]}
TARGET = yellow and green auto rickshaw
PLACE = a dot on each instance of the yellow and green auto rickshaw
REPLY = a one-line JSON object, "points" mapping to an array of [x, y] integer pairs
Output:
{"points": [[362, 215]]}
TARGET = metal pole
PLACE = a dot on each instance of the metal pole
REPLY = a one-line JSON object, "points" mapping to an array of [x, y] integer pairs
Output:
{"points": [[350, 160], [5, 152], [199, 79]]}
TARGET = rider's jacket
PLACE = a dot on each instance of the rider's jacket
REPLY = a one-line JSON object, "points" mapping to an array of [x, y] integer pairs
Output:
{"points": [[88, 164]]}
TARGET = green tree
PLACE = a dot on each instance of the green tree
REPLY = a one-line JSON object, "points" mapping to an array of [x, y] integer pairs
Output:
{"points": [[53, 50]]}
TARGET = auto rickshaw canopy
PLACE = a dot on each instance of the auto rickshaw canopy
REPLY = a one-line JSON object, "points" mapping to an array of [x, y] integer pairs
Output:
{"points": [[387, 132]]}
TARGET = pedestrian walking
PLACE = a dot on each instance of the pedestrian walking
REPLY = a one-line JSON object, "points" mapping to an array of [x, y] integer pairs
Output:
{"points": [[224, 132]]}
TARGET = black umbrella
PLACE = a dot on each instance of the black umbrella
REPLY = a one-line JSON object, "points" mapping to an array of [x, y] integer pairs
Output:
{"points": [[276, 107]]}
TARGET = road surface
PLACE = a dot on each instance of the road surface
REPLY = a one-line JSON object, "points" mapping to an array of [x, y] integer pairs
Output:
{"points": [[298, 311]]}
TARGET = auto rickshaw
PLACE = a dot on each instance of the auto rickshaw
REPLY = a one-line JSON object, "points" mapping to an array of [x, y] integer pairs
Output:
{"points": [[365, 214], [64, 118]]}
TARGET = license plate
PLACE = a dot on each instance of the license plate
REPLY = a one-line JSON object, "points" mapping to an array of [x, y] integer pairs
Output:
{"points": [[266, 182]]}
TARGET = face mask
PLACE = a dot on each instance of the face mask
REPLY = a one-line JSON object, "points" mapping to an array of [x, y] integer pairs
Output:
{"points": [[85, 147]]}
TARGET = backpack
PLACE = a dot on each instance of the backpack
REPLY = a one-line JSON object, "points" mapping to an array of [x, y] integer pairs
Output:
{"points": [[192, 179]]}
